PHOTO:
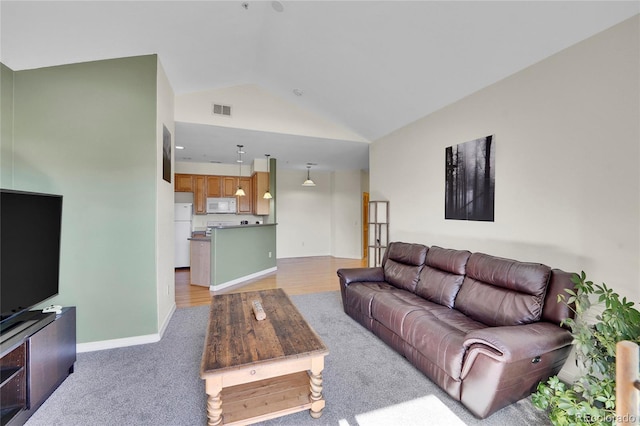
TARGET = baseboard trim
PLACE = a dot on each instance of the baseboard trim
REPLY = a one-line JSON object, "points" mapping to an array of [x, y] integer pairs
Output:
{"points": [[165, 323], [241, 280], [117, 343], [127, 341]]}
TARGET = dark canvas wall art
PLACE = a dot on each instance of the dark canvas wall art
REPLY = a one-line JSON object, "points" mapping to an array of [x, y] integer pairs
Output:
{"points": [[166, 154], [470, 180]]}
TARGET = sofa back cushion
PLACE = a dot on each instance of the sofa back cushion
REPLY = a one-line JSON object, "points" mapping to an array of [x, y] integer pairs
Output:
{"points": [[499, 291], [442, 275], [402, 264], [554, 311]]}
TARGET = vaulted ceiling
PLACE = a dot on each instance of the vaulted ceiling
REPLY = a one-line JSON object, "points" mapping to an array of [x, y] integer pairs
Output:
{"points": [[369, 66]]}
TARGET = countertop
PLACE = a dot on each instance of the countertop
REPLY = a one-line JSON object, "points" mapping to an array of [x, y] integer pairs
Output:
{"points": [[201, 236]]}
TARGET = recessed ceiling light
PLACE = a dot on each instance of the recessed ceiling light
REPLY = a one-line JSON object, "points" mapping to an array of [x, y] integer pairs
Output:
{"points": [[179, 147]]}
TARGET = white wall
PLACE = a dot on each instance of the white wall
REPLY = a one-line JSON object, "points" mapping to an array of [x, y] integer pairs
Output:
{"points": [[304, 214], [164, 211], [255, 108], [567, 140], [346, 215], [257, 165], [325, 220]]}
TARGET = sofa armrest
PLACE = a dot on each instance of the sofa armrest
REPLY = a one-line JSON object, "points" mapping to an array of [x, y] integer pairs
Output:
{"points": [[350, 275], [517, 342], [505, 364]]}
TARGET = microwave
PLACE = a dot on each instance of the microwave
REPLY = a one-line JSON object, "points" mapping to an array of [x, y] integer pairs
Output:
{"points": [[221, 205]]}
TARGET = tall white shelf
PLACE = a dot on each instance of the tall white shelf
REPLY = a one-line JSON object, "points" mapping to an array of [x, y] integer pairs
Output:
{"points": [[378, 231]]}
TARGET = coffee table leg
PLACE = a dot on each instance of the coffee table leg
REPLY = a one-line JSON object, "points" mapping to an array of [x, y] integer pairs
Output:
{"points": [[315, 379], [214, 401]]}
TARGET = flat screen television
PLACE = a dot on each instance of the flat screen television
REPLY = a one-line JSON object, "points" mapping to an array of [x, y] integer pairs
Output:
{"points": [[30, 226]]}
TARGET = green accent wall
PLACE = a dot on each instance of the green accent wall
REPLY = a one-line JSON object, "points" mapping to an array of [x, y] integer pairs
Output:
{"points": [[237, 252], [88, 131], [6, 126]]}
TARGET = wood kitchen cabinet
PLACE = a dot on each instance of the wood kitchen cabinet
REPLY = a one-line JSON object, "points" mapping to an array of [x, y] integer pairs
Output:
{"points": [[196, 184], [260, 181], [214, 186], [204, 186], [229, 186], [245, 204], [200, 194], [183, 183]]}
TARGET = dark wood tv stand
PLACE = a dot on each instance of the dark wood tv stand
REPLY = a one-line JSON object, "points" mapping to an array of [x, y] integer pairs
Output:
{"points": [[36, 356]]}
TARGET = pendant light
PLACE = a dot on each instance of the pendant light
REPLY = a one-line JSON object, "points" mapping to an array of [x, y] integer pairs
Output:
{"points": [[267, 195], [308, 182], [240, 191]]}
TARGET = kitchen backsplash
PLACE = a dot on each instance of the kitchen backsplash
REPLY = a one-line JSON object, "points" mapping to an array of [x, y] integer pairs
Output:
{"points": [[199, 222]]}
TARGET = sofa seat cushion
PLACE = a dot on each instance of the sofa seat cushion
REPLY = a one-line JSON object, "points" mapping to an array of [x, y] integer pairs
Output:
{"points": [[499, 291], [391, 308], [360, 294], [439, 335]]}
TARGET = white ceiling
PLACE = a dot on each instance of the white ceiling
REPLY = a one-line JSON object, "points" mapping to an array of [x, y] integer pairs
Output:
{"points": [[370, 66]]}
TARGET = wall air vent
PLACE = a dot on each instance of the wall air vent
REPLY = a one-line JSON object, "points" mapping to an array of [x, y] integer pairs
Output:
{"points": [[223, 110]]}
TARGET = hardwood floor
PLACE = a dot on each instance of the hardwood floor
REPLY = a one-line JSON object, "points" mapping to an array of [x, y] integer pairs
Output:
{"points": [[299, 275]]}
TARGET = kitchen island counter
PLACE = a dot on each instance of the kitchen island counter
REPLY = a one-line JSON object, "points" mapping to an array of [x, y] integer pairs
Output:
{"points": [[232, 254], [201, 235], [249, 225]]}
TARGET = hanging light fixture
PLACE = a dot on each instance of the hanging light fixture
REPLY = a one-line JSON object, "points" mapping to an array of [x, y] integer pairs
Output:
{"points": [[308, 182], [267, 195], [240, 191]]}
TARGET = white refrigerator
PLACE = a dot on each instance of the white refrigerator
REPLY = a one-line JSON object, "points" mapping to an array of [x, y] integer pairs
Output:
{"points": [[183, 214]]}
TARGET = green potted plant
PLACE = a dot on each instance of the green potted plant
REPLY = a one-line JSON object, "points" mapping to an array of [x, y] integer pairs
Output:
{"points": [[591, 399]]}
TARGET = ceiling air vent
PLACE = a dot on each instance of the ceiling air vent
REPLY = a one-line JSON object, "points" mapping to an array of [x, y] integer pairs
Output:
{"points": [[223, 110]]}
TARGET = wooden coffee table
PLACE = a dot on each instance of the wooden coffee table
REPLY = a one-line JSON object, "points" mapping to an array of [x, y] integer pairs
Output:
{"points": [[257, 370]]}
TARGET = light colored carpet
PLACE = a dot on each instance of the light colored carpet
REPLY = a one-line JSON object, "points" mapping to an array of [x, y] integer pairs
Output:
{"points": [[365, 382]]}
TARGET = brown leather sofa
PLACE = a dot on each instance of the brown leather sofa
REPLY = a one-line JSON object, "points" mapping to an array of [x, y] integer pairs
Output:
{"points": [[483, 328]]}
